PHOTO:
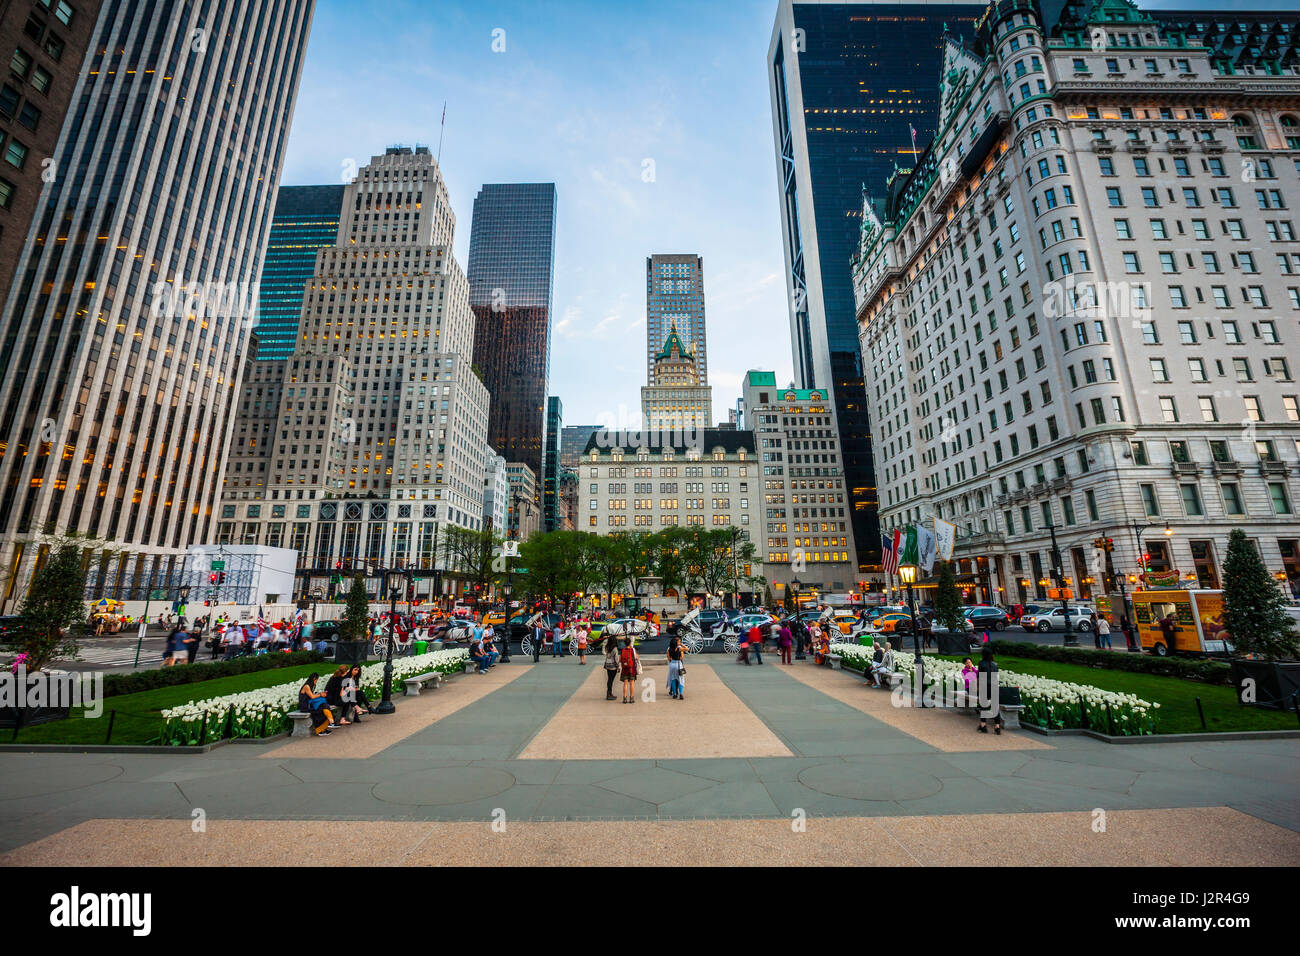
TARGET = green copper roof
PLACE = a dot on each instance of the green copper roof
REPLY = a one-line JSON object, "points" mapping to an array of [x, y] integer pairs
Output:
{"points": [[767, 379], [673, 340]]}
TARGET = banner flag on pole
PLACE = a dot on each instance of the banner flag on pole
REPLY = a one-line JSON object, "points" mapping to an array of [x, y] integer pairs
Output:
{"points": [[946, 535], [909, 555], [925, 546]]}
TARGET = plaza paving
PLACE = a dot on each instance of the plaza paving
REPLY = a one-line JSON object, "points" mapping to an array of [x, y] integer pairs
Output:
{"points": [[770, 764]]}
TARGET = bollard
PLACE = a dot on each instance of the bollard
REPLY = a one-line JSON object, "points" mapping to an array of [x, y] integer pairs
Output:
{"points": [[203, 737], [1083, 711], [264, 713], [1110, 719], [1295, 704], [1201, 710], [230, 722], [18, 723], [112, 716]]}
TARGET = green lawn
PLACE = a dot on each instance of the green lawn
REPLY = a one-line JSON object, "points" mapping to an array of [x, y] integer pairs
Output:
{"points": [[1176, 697], [139, 720]]}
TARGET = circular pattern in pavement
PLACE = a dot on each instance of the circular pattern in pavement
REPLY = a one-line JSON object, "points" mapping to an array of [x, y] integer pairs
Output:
{"points": [[444, 786], [845, 780]]}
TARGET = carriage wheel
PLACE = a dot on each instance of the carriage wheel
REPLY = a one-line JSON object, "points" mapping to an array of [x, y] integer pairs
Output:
{"points": [[526, 646], [731, 645], [573, 647], [381, 647]]}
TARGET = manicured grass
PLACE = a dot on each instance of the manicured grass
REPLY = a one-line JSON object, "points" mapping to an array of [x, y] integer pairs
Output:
{"points": [[139, 719], [1176, 697]]}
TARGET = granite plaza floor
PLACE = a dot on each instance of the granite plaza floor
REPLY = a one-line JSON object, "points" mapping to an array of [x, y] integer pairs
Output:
{"points": [[759, 765]]}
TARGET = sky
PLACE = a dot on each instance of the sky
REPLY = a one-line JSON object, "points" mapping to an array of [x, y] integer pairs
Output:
{"points": [[584, 94]]}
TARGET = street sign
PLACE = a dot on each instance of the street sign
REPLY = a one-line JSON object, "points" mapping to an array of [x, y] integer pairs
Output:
{"points": [[158, 595], [218, 565]]}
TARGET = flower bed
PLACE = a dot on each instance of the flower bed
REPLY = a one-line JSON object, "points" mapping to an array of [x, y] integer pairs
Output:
{"points": [[265, 712], [1050, 704]]}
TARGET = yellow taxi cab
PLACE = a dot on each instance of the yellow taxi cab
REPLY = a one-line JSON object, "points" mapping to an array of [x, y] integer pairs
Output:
{"points": [[496, 618], [846, 620], [892, 623]]}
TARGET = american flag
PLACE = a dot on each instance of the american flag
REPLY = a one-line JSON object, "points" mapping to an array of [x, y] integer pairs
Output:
{"points": [[889, 544]]}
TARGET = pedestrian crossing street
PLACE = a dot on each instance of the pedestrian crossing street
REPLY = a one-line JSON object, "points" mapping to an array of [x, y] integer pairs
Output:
{"points": [[118, 652]]}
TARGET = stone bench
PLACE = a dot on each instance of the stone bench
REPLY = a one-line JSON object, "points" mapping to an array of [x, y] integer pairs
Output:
{"points": [[414, 684], [301, 724]]}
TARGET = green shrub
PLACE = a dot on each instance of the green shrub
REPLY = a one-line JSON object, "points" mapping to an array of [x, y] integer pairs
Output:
{"points": [[115, 684], [1206, 671]]}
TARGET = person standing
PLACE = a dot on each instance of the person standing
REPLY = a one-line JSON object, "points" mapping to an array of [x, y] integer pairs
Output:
{"points": [[557, 639], [611, 665], [629, 668], [988, 692], [582, 644], [784, 640], [538, 623], [1126, 627], [676, 668], [191, 640], [1096, 631], [1103, 633]]}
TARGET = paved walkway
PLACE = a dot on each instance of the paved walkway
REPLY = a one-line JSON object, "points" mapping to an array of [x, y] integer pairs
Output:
{"points": [[712, 779]]}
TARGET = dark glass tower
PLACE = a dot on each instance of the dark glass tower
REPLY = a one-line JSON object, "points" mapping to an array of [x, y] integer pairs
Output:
{"points": [[551, 517], [511, 274], [306, 221], [848, 83]]}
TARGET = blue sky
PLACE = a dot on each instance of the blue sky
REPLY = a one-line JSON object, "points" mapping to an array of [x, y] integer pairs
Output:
{"points": [[582, 96]]}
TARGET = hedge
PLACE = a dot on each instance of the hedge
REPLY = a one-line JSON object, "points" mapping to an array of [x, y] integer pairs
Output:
{"points": [[115, 684], [1206, 671]]}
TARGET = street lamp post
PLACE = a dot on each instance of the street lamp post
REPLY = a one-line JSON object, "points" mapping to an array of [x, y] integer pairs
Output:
{"points": [[396, 581], [795, 586], [507, 590], [907, 574], [1058, 572]]}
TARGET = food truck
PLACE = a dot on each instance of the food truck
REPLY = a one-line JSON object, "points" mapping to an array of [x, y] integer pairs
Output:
{"points": [[1197, 621]]}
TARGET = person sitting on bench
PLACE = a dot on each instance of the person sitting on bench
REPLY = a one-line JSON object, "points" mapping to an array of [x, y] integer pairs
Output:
{"points": [[880, 672], [477, 656], [313, 703]]}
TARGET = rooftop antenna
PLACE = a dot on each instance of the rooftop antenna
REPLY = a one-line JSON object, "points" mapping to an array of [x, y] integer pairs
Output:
{"points": [[441, 131]]}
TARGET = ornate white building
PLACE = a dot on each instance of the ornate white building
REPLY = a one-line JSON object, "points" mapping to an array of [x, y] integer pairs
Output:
{"points": [[1079, 312]]}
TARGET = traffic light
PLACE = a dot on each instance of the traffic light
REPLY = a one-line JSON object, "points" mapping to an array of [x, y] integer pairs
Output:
{"points": [[212, 578], [221, 577]]}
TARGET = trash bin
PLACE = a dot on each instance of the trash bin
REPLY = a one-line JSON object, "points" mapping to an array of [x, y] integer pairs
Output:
{"points": [[421, 647]]}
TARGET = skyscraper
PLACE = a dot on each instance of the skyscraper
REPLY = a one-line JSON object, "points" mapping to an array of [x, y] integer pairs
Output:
{"points": [[140, 320], [511, 275], [551, 464], [382, 440], [677, 395], [46, 43], [849, 81], [306, 221]]}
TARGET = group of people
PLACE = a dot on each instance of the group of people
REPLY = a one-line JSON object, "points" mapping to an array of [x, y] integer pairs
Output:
{"points": [[342, 702]]}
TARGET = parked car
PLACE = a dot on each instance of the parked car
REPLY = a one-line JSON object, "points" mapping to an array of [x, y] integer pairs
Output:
{"points": [[496, 617], [988, 618], [747, 621], [1053, 619]]}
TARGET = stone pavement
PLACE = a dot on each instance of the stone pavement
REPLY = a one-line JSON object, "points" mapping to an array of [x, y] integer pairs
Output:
{"points": [[717, 778]]}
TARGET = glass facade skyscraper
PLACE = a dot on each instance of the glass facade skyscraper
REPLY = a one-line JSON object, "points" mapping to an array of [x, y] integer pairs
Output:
{"points": [[135, 286], [551, 517], [306, 221], [849, 81], [511, 273]]}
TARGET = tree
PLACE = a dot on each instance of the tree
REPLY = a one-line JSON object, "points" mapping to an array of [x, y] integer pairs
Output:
{"points": [[54, 605], [947, 599], [356, 614], [668, 563], [1252, 605], [472, 555], [555, 566]]}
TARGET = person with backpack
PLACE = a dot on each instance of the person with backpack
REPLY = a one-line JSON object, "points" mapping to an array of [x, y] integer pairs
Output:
{"points": [[629, 668]]}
